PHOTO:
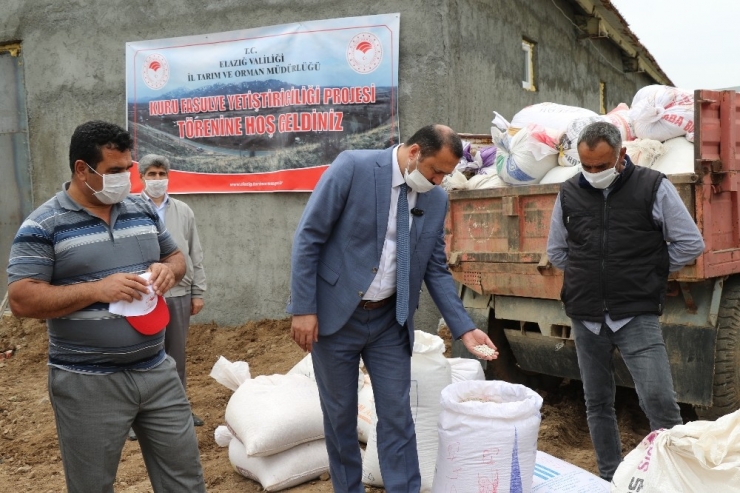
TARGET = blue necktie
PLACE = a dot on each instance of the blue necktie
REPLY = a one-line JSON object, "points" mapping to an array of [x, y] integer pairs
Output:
{"points": [[402, 256]]}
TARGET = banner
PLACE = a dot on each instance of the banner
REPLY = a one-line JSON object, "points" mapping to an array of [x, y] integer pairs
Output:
{"points": [[266, 109]]}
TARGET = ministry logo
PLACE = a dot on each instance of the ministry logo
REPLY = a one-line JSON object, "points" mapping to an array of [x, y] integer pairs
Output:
{"points": [[364, 53], [156, 71]]}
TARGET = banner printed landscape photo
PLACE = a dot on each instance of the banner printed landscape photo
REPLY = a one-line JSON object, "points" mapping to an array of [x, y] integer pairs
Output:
{"points": [[264, 109]]}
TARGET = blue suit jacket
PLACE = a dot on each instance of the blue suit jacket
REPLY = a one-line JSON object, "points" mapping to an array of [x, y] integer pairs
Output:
{"points": [[340, 237]]}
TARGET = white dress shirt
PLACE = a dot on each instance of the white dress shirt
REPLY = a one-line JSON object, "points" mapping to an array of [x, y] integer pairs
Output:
{"points": [[161, 208], [384, 283]]}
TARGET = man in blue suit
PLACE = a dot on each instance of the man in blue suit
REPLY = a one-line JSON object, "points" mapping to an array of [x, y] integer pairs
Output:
{"points": [[347, 301]]}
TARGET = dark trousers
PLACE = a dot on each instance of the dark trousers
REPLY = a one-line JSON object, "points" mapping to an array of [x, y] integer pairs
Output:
{"points": [[383, 345]]}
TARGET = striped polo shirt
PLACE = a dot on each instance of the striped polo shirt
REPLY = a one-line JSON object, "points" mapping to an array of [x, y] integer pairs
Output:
{"points": [[61, 243]]}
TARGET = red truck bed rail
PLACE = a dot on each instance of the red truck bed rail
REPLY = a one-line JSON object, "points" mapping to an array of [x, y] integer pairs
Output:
{"points": [[717, 116]]}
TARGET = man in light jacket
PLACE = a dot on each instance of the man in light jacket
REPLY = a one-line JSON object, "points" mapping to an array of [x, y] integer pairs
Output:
{"points": [[186, 298]]}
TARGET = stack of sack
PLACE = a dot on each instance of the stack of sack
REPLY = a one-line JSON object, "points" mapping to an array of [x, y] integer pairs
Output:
{"points": [[274, 426], [472, 435], [539, 145]]}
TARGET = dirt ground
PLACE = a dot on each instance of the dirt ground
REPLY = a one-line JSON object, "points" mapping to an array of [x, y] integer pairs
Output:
{"points": [[29, 453]]}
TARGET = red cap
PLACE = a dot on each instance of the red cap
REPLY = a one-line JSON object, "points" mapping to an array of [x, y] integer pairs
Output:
{"points": [[154, 321]]}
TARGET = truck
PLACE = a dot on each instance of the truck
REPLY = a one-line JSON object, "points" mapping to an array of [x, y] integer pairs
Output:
{"points": [[496, 249]]}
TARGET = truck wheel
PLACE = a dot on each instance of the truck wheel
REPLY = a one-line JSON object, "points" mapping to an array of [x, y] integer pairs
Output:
{"points": [[726, 388]]}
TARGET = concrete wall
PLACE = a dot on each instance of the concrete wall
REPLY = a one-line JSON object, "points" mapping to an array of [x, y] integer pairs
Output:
{"points": [[486, 58], [459, 61]]}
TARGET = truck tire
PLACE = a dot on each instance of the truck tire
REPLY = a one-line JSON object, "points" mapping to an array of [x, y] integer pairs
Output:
{"points": [[726, 388]]}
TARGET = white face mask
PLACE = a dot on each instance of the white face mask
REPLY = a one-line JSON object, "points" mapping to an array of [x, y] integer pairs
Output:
{"points": [[602, 179], [156, 188], [416, 181], [115, 187]]}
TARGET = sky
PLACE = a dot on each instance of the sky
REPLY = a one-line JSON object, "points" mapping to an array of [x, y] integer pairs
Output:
{"points": [[696, 43]]}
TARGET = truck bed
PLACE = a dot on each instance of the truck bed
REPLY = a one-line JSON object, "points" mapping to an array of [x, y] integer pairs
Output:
{"points": [[497, 238]]}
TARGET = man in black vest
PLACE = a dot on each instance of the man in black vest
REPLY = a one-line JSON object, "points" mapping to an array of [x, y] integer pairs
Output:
{"points": [[617, 231]]}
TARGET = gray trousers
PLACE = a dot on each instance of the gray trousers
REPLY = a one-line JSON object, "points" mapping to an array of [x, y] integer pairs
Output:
{"points": [[641, 345], [93, 414], [176, 336]]}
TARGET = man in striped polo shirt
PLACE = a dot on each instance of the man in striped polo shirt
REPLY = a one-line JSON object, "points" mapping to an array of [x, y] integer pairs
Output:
{"points": [[73, 256]]}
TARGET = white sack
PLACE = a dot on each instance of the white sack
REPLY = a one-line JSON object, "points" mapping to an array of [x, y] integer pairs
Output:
{"points": [[365, 411], [559, 174], [455, 181], [552, 475], [230, 375], [484, 181], [487, 437], [568, 145], [466, 369], [370, 461], [663, 112], [277, 472], [222, 435], [678, 157], [500, 122], [524, 158], [269, 414], [644, 152], [701, 456], [430, 373], [549, 115], [305, 367], [620, 118]]}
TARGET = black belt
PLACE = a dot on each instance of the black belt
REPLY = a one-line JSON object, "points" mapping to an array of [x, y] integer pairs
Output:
{"points": [[372, 305]]}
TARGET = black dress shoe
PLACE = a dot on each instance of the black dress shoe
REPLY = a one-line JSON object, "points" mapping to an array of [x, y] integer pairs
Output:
{"points": [[132, 435], [197, 421]]}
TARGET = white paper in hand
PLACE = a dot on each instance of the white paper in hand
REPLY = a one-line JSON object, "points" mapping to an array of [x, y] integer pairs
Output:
{"points": [[136, 308]]}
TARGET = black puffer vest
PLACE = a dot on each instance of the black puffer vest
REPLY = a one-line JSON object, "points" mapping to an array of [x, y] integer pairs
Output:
{"points": [[617, 256]]}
